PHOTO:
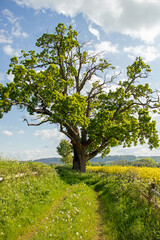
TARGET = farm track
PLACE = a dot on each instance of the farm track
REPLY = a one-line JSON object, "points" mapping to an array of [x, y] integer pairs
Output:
{"points": [[102, 228], [37, 228]]}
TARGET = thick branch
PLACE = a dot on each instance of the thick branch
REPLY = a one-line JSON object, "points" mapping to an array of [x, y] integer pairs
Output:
{"points": [[39, 111], [98, 150], [66, 133]]}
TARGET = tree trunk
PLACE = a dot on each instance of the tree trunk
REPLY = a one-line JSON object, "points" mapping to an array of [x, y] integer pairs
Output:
{"points": [[79, 161]]}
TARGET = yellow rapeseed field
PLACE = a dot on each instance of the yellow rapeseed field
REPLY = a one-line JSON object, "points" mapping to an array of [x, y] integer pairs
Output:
{"points": [[146, 173]]}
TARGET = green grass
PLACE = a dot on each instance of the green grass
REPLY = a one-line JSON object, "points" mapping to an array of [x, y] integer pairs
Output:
{"points": [[71, 205], [76, 218], [126, 215], [24, 200]]}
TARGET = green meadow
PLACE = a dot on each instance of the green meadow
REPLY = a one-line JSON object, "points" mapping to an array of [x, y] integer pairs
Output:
{"points": [[39, 201]]}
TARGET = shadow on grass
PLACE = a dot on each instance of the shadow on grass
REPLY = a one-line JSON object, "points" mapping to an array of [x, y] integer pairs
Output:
{"points": [[71, 177]]}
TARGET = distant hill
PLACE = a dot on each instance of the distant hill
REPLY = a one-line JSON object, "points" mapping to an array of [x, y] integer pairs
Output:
{"points": [[113, 158], [49, 160], [107, 159]]}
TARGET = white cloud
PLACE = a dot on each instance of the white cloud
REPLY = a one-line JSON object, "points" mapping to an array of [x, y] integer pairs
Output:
{"points": [[9, 15], [148, 53], [48, 134], [147, 1], [2, 76], [103, 48], [94, 31], [35, 154], [106, 47], [20, 132], [17, 31], [4, 37], [29, 154], [16, 28], [139, 150], [148, 35], [137, 18], [8, 50], [10, 77], [7, 133]]}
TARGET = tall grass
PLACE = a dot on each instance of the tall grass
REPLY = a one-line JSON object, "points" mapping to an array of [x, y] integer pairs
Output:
{"points": [[24, 200], [127, 216]]}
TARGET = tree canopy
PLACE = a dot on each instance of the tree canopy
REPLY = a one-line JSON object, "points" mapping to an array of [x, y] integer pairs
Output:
{"points": [[56, 84]]}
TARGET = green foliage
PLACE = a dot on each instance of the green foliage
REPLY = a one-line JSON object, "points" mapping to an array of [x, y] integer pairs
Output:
{"points": [[121, 163], [88, 163], [51, 84], [65, 150], [145, 162]]}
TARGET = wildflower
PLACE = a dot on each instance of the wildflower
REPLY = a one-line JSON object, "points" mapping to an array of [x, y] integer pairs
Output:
{"points": [[77, 233]]}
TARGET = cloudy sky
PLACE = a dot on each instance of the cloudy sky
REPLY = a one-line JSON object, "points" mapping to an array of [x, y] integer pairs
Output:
{"points": [[122, 29]]}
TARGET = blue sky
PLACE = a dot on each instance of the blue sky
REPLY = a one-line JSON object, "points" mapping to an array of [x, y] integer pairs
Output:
{"points": [[122, 29]]}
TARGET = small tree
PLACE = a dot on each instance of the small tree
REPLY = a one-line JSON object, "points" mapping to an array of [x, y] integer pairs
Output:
{"points": [[52, 85], [65, 151]]}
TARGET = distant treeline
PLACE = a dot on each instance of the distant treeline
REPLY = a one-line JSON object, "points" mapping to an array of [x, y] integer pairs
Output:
{"points": [[128, 158], [110, 159]]}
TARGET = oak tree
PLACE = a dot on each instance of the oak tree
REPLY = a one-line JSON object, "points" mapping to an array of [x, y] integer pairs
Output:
{"points": [[56, 84]]}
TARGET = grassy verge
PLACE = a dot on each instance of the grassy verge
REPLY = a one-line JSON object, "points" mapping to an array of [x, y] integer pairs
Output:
{"points": [[24, 200], [127, 216]]}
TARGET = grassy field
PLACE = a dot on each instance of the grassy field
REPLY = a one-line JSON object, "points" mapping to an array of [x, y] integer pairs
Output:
{"points": [[62, 204]]}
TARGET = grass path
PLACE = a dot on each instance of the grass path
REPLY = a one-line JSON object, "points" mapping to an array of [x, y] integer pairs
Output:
{"points": [[35, 228], [77, 215]]}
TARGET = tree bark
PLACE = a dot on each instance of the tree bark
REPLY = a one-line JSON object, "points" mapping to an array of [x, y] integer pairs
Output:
{"points": [[79, 161]]}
